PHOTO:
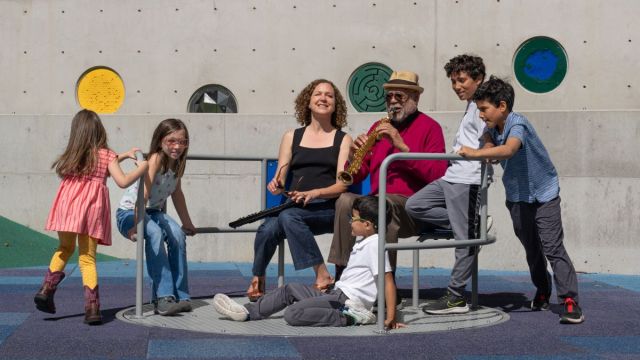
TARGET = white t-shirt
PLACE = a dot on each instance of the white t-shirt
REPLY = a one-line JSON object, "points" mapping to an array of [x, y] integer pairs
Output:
{"points": [[358, 280], [469, 134]]}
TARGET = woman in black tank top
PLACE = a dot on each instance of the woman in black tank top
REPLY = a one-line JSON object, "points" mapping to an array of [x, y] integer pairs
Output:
{"points": [[312, 156]]}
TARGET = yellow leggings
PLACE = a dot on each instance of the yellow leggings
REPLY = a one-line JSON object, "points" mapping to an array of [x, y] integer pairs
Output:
{"points": [[86, 256]]}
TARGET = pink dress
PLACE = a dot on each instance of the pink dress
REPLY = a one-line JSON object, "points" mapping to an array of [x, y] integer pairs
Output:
{"points": [[82, 204]]}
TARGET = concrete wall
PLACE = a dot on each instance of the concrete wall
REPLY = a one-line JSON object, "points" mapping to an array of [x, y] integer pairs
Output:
{"points": [[265, 51], [592, 150]]}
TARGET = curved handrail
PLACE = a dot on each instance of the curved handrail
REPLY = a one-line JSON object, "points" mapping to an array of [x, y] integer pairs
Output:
{"points": [[382, 208]]}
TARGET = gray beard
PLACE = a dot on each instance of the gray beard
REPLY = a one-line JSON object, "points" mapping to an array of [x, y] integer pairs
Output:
{"points": [[395, 121]]}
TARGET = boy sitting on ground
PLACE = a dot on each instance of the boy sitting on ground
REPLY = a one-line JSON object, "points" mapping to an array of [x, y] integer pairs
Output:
{"points": [[348, 303]]}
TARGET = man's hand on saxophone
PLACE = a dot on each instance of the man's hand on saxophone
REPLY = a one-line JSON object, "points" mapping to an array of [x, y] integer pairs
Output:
{"points": [[357, 144], [391, 133]]}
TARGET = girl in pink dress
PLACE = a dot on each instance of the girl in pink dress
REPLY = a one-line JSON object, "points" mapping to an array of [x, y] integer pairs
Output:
{"points": [[81, 208]]}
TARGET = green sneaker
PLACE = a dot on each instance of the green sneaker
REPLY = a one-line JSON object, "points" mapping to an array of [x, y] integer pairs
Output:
{"points": [[448, 304]]}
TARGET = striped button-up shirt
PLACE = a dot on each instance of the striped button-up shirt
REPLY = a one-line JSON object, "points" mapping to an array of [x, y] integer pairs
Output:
{"points": [[529, 176]]}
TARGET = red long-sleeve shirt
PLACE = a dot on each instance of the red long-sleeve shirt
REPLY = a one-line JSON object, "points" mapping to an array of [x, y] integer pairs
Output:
{"points": [[404, 177]]}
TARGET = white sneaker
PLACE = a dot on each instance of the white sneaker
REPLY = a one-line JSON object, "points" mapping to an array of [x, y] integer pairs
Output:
{"points": [[360, 314], [225, 306]]}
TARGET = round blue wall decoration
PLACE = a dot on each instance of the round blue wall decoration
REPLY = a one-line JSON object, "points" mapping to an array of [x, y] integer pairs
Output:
{"points": [[540, 64]]}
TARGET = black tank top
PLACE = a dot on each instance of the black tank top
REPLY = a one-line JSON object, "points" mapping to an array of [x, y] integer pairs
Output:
{"points": [[317, 165]]}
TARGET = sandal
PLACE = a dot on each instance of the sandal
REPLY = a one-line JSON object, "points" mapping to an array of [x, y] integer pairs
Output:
{"points": [[256, 289], [326, 287]]}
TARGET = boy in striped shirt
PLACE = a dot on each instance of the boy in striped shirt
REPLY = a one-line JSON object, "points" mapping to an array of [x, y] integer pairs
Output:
{"points": [[532, 192]]}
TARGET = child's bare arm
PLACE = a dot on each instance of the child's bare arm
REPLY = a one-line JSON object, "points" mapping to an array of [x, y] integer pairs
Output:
{"points": [[180, 204], [390, 299], [131, 154], [500, 152], [124, 180]]}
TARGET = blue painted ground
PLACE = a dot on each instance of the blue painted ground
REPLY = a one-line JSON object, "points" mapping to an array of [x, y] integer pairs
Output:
{"points": [[610, 302]]}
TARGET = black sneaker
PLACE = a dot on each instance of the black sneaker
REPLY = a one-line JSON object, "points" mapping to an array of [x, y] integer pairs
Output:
{"points": [[163, 305], [448, 304], [572, 312], [540, 302]]}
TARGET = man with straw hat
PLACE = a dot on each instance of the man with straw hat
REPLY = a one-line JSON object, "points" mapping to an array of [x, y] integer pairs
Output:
{"points": [[408, 130]]}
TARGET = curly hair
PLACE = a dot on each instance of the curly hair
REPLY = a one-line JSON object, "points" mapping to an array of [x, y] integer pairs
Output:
{"points": [[303, 113], [470, 64]]}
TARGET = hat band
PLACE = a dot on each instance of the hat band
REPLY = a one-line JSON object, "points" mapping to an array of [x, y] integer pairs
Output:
{"points": [[401, 82]]}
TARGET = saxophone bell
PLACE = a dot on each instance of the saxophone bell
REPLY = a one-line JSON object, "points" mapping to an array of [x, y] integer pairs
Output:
{"points": [[345, 177]]}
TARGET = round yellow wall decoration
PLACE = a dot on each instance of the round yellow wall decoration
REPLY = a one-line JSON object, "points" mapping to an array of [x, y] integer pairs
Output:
{"points": [[101, 90]]}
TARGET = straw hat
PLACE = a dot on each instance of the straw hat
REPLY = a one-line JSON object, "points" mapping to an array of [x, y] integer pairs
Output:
{"points": [[403, 80]]}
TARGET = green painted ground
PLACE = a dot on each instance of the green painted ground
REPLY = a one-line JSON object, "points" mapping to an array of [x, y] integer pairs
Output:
{"points": [[21, 246]]}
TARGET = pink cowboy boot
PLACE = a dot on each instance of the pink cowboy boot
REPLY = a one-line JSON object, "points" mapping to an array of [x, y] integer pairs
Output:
{"points": [[92, 306], [44, 297]]}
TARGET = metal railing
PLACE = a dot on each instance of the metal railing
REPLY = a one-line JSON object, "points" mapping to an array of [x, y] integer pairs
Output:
{"points": [[383, 246], [431, 244], [140, 214]]}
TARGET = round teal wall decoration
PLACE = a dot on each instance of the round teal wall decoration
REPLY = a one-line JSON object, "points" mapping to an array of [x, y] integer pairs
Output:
{"points": [[365, 87]]}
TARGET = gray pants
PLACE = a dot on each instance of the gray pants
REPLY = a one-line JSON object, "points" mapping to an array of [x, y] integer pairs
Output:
{"points": [[305, 306], [539, 228], [450, 206], [402, 225]]}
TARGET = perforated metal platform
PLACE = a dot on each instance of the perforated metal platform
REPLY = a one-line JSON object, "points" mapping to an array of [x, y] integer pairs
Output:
{"points": [[204, 318]]}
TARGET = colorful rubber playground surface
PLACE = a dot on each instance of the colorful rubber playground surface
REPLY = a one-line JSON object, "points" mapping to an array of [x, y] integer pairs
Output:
{"points": [[610, 303]]}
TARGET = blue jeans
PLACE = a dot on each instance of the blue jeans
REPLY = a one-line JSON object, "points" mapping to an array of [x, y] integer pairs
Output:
{"points": [[166, 268], [298, 225]]}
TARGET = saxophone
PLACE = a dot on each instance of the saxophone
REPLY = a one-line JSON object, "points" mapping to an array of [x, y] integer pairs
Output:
{"points": [[346, 176]]}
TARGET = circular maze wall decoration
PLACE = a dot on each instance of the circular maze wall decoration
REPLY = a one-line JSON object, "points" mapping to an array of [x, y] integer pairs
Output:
{"points": [[365, 87], [540, 64]]}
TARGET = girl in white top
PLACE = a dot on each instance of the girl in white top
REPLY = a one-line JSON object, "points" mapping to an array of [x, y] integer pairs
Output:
{"points": [[167, 268]]}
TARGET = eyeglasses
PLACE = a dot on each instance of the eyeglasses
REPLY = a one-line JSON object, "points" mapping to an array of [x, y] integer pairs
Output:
{"points": [[400, 97], [174, 142], [358, 219]]}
